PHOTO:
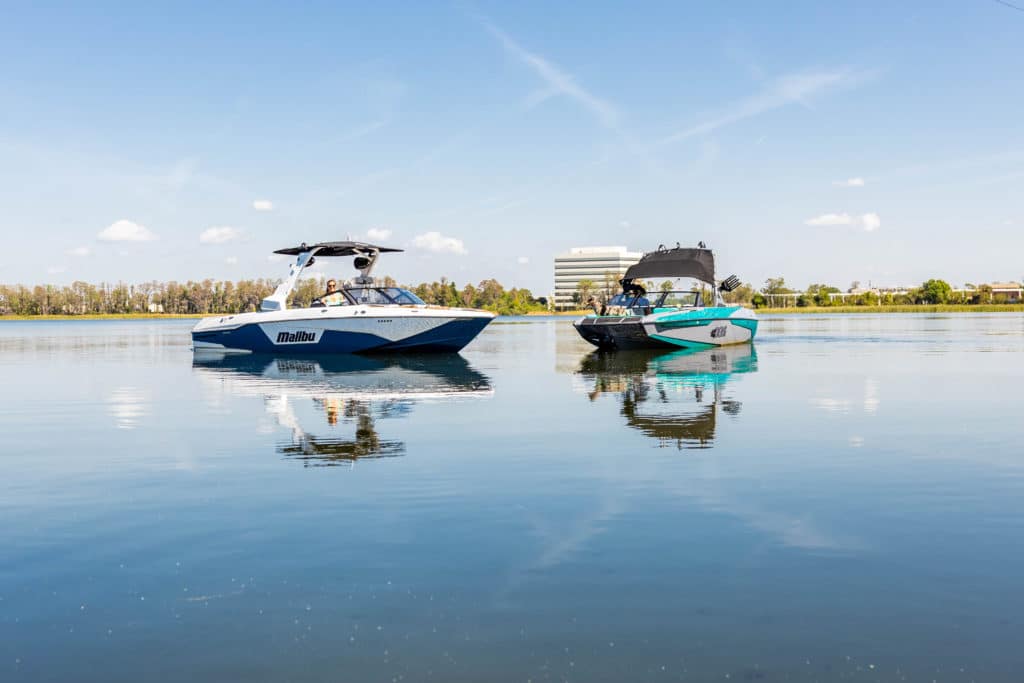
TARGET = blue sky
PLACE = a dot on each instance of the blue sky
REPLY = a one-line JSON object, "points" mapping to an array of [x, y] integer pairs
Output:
{"points": [[825, 142]]}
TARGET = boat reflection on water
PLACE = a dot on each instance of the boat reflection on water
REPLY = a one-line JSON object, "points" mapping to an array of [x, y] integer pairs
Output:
{"points": [[342, 392], [674, 398]]}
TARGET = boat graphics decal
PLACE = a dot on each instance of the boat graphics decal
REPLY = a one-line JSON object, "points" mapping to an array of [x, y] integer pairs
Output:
{"points": [[747, 323], [300, 336], [684, 343], [709, 313]]}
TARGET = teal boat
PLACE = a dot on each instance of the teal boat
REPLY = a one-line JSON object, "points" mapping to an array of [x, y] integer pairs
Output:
{"points": [[675, 318]]}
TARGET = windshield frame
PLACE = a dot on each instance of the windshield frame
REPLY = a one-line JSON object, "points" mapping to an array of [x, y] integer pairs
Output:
{"points": [[698, 301], [390, 299]]}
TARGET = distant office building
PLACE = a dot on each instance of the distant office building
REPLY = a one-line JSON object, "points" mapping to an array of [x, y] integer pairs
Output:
{"points": [[596, 264]]}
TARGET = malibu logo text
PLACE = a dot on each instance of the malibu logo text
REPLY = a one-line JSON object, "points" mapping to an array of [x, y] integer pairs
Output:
{"points": [[300, 337]]}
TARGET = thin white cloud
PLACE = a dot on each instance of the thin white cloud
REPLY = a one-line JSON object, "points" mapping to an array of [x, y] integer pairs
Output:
{"points": [[126, 231], [868, 221], [54, 270], [80, 251], [263, 205], [789, 89], [871, 221], [829, 219], [378, 233], [219, 234], [557, 82], [849, 182], [231, 260], [523, 260], [439, 244]]}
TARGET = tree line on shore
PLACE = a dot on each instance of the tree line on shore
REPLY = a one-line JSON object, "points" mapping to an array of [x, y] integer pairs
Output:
{"points": [[932, 291], [210, 297], [776, 293]]}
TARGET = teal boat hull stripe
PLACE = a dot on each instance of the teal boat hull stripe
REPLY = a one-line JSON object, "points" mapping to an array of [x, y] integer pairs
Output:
{"points": [[683, 344], [710, 314], [746, 323]]}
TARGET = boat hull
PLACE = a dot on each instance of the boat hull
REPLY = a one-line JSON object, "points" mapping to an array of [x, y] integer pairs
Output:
{"points": [[680, 329], [616, 333], [323, 331]]}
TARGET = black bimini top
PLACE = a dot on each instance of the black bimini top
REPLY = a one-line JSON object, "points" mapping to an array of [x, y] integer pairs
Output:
{"points": [[679, 262], [336, 249]]}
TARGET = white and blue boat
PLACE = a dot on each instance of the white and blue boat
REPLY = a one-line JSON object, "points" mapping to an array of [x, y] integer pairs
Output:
{"points": [[672, 318], [362, 317]]}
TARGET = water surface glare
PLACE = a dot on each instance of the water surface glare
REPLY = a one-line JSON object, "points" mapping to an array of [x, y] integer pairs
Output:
{"points": [[844, 500]]}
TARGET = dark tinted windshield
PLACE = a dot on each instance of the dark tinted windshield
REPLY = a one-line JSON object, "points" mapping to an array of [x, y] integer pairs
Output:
{"points": [[631, 300]]}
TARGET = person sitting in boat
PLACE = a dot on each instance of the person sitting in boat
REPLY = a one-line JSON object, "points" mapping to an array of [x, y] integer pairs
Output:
{"points": [[626, 302], [332, 297]]}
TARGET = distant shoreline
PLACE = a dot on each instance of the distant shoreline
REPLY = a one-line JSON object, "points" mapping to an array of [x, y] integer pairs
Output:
{"points": [[906, 308], [909, 308]]}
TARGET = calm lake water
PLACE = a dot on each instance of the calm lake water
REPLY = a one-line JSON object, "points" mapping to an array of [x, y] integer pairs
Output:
{"points": [[842, 501]]}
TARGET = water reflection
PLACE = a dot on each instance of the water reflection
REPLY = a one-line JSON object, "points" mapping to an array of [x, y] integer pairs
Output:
{"points": [[674, 398], [348, 394]]}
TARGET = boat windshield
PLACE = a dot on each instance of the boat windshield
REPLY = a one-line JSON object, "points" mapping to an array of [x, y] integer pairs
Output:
{"points": [[629, 300], [404, 297], [383, 296], [674, 299]]}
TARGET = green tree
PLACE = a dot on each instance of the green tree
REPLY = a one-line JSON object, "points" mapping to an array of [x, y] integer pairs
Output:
{"points": [[776, 285], [935, 291], [819, 294], [743, 294], [585, 288]]}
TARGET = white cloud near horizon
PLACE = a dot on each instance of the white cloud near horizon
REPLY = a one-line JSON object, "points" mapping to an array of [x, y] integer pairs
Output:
{"points": [[788, 89], [126, 231], [439, 244], [868, 221], [263, 205], [378, 233], [556, 81], [523, 260], [80, 251], [219, 234], [871, 221], [231, 260], [55, 270], [849, 182]]}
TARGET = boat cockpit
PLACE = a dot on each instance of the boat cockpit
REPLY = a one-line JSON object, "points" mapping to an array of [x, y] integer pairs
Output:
{"points": [[679, 299], [356, 295], [636, 303]]}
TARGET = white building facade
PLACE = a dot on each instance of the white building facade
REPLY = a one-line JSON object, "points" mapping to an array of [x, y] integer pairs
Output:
{"points": [[597, 264]]}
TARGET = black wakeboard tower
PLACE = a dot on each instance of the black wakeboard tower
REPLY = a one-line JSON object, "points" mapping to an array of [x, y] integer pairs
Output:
{"points": [[678, 262]]}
